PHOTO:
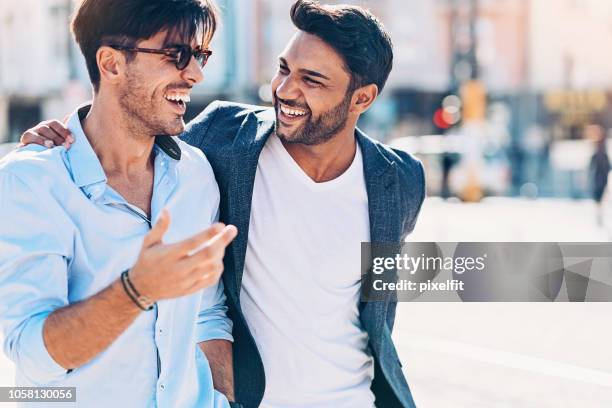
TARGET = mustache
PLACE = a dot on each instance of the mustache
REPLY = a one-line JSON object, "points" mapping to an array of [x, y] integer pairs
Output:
{"points": [[179, 86], [291, 103]]}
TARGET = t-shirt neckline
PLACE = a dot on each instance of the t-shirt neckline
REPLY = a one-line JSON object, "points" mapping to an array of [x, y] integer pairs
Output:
{"points": [[278, 148]]}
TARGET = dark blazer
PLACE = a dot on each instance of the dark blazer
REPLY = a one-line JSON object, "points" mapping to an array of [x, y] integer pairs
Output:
{"points": [[232, 137]]}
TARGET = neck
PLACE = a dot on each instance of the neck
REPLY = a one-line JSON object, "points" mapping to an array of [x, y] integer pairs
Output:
{"points": [[326, 161], [122, 149]]}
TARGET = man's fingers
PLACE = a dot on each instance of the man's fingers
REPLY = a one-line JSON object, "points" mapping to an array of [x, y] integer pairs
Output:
{"points": [[157, 232], [61, 130], [202, 260], [50, 134], [42, 135], [31, 137], [223, 239], [190, 245], [216, 245], [205, 280]]}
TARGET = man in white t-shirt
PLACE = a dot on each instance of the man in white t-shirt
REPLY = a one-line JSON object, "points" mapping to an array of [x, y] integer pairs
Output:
{"points": [[305, 187]]}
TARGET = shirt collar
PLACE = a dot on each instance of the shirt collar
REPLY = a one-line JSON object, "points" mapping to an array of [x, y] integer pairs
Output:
{"points": [[85, 167]]}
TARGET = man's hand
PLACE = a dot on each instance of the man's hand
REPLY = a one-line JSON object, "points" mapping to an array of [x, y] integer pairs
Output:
{"points": [[162, 271], [220, 359], [165, 271], [48, 133]]}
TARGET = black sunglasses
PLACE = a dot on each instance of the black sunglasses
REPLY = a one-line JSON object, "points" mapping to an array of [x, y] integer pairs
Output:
{"points": [[181, 54]]}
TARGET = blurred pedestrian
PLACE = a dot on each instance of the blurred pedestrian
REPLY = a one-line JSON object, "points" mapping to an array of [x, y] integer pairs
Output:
{"points": [[599, 167], [448, 161]]}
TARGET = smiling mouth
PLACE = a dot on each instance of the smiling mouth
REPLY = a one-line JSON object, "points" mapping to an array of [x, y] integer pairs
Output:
{"points": [[180, 99], [288, 114]]}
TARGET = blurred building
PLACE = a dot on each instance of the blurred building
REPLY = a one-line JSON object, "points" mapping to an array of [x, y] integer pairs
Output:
{"points": [[527, 47], [35, 61], [43, 74], [543, 66], [426, 39]]}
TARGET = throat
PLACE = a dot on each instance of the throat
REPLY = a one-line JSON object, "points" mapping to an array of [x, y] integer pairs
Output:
{"points": [[323, 162], [138, 191]]}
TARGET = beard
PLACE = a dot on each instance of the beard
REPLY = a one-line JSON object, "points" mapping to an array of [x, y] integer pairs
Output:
{"points": [[144, 113], [316, 130]]}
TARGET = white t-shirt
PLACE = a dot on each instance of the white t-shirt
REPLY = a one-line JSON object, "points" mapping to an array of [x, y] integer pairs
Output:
{"points": [[301, 284]]}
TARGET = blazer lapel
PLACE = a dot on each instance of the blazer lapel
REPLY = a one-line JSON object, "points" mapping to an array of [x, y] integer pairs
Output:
{"points": [[382, 187], [248, 144]]}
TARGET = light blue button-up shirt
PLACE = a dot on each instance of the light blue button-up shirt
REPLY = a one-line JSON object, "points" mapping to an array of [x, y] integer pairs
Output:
{"points": [[65, 235]]}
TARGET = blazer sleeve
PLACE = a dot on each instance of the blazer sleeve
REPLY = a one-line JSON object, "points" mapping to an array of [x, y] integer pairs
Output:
{"points": [[413, 189]]}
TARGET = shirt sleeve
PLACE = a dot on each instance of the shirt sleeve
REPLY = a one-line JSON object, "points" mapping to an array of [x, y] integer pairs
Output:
{"points": [[33, 277], [213, 323]]}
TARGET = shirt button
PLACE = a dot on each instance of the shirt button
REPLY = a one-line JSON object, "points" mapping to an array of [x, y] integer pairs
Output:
{"points": [[163, 387], [161, 331]]}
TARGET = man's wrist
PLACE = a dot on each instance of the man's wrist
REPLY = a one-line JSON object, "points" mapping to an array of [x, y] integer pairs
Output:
{"points": [[143, 302]]}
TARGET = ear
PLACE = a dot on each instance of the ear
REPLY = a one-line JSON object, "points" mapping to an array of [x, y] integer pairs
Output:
{"points": [[111, 64], [363, 98]]}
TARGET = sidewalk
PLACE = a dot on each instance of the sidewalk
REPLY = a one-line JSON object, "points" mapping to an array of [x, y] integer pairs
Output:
{"points": [[519, 355]]}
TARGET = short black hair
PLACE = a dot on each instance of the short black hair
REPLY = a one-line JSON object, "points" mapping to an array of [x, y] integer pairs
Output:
{"points": [[96, 23], [355, 33]]}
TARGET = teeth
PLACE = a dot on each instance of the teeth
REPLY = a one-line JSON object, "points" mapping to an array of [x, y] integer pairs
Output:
{"points": [[291, 111], [178, 97]]}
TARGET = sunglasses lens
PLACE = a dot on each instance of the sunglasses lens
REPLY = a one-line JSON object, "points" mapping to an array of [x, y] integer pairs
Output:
{"points": [[185, 53], [202, 57], [183, 58]]}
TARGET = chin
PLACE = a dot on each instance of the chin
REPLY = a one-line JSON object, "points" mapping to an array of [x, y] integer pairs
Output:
{"points": [[287, 133], [176, 131], [292, 138], [175, 128], [284, 136]]}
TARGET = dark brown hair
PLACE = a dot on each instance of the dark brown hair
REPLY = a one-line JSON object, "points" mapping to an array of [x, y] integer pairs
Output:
{"points": [[355, 34], [125, 22]]}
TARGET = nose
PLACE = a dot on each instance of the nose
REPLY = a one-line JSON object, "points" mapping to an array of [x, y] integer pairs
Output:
{"points": [[287, 88], [193, 72]]}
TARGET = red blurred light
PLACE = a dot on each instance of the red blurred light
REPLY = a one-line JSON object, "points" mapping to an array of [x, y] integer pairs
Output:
{"points": [[439, 119]]}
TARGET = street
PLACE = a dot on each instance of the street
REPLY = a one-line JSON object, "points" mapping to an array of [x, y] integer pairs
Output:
{"points": [[469, 355], [501, 354]]}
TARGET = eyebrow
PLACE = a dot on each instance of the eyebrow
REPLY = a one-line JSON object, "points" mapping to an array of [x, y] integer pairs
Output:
{"points": [[305, 71]]}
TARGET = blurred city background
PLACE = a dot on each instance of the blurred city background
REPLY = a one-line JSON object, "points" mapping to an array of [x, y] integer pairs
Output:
{"points": [[493, 95], [509, 105]]}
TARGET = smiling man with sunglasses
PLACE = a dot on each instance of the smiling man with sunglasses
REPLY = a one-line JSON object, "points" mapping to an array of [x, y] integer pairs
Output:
{"points": [[105, 285]]}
